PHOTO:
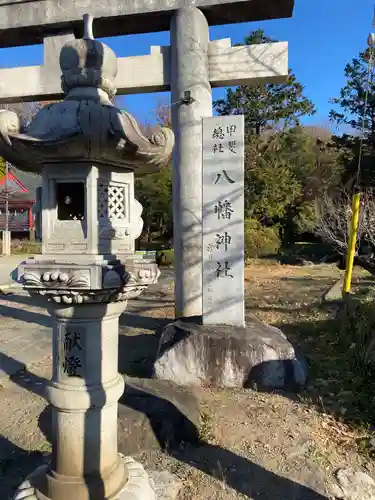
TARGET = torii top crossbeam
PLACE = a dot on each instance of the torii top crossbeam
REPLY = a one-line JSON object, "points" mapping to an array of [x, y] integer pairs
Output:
{"points": [[25, 22]]}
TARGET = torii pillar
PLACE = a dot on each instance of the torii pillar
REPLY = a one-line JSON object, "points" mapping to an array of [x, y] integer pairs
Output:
{"points": [[191, 97]]}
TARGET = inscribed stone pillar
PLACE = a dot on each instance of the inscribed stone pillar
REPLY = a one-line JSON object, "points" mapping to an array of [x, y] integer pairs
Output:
{"points": [[85, 353], [223, 221], [189, 78], [84, 391]]}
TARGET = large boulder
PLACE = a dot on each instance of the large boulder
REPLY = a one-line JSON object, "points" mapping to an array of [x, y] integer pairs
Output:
{"points": [[334, 294], [353, 486], [167, 486], [257, 356], [153, 415]]}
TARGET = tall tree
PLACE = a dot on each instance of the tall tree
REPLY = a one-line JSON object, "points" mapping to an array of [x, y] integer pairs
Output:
{"points": [[266, 105], [285, 173], [352, 110], [351, 101], [25, 111], [163, 114], [154, 191]]}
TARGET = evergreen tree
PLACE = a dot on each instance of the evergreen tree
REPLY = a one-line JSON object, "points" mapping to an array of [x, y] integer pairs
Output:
{"points": [[351, 111], [266, 105]]}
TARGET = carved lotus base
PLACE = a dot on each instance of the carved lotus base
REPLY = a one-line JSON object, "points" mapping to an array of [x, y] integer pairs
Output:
{"points": [[138, 486], [67, 283]]}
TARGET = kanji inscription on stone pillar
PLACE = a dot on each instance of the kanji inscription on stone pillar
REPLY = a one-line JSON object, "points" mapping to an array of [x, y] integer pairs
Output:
{"points": [[223, 220]]}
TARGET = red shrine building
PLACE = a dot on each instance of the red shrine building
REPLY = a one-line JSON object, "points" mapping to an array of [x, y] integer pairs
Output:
{"points": [[22, 195]]}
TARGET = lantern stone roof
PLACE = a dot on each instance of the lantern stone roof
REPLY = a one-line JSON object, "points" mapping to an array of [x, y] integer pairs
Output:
{"points": [[86, 126]]}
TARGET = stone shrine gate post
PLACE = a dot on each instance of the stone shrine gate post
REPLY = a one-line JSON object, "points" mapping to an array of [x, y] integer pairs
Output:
{"points": [[189, 68], [190, 81]]}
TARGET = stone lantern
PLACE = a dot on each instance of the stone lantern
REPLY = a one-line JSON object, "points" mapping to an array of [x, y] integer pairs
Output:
{"points": [[88, 152]]}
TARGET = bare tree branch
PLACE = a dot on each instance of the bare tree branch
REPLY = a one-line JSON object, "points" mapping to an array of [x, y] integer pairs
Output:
{"points": [[334, 218], [25, 111], [334, 215]]}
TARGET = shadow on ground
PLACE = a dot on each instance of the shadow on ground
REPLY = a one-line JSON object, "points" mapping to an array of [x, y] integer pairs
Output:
{"points": [[19, 375], [15, 465], [244, 476], [21, 298], [338, 386], [15, 462], [26, 316], [137, 350], [240, 474]]}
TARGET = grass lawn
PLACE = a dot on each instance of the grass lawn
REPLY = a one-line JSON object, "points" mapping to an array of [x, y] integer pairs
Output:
{"points": [[291, 297], [304, 437]]}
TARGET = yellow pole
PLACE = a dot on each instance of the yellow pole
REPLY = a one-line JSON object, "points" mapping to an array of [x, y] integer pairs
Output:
{"points": [[352, 242]]}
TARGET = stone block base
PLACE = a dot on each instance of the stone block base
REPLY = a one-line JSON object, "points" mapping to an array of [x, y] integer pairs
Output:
{"points": [[138, 486], [257, 356]]}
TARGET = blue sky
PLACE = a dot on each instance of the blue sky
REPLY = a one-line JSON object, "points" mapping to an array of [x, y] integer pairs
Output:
{"points": [[323, 36]]}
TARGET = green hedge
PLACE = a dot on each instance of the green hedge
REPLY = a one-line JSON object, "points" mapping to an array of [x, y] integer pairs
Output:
{"points": [[26, 247], [260, 241]]}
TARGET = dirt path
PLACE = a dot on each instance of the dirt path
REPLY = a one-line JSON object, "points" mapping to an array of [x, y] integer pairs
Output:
{"points": [[257, 446]]}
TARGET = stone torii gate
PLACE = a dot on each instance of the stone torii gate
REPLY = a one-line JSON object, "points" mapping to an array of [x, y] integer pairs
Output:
{"points": [[189, 68]]}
